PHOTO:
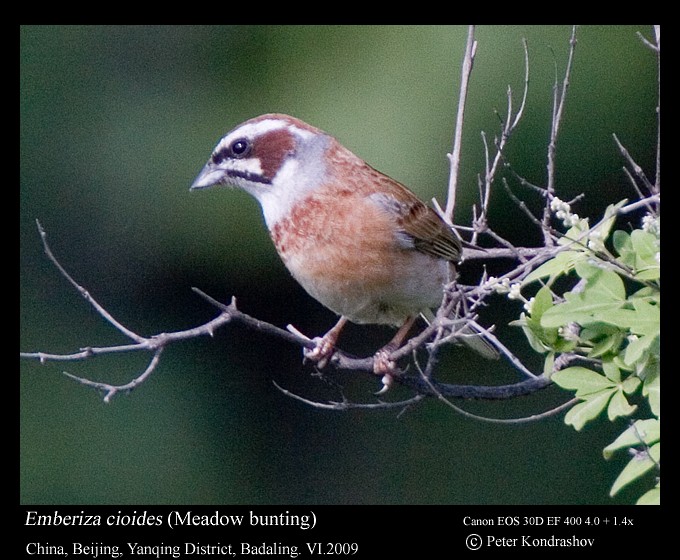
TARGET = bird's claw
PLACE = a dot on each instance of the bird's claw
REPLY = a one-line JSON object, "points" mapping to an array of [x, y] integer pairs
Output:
{"points": [[384, 366], [387, 381], [322, 352]]}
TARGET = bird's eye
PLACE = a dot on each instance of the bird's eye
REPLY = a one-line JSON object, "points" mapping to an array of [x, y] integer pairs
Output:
{"points": [[240, 148]]}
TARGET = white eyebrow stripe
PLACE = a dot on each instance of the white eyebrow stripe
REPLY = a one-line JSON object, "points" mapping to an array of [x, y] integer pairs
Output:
{"points": [[251, 130]]}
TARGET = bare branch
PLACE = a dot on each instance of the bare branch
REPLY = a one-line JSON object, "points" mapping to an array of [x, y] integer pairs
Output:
{"points": [[251, 322], [522, 420], [507, 129], [656, 47], [523, 207], [558, 111], [454, 156], [495, 392], [646, 202], [111, 390], [637, 170], [514, 360], [230, 313], [82, 291], [348, 405]]}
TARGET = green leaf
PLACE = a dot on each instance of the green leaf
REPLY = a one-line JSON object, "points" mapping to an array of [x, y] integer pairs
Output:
{"points": [[549, 364], [605, 225], [631, 384], [642, 432], [647, 317], [652, 390], [601, 281], [649, 293], [587, 410], [646, 247], [651, 497], [534, 340], [637, 348], [611, 371], [582, 380], [561, 264], [542, 302], [575, 233], [624, 248], [540, 339], [609, 343], [584, 311], [622, 318], [636, 467], [619, 406], [649, 273], [601, 299]]}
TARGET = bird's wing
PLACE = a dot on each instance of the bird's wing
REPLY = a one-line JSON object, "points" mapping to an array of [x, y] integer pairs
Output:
{"points": [[419, 225]]}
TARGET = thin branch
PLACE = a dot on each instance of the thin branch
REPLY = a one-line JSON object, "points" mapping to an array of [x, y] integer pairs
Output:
{"points": [[543, 225], [503, 349], [348, 405], [637, 170], [426, 377], [657, 179], [83, 292], [521, 420], [646, 202], [454, 156], [558, 110], [235, 314], [520, 111], [111, 390], [507, 129], [494, 392], [657, 35], [633, 182]]}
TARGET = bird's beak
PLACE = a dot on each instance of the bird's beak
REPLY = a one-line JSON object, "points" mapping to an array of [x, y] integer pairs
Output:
{"points": [[209, 176]]}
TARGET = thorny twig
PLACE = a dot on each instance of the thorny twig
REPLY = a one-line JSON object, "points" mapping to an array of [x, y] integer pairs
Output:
{"points": [[230, 313]]}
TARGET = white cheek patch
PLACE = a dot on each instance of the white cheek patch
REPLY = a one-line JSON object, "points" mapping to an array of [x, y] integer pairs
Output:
{"points": [[277, 200], [247, 166]]}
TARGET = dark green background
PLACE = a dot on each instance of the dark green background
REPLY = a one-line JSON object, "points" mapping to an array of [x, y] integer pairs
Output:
{"points": [[115, 124]]}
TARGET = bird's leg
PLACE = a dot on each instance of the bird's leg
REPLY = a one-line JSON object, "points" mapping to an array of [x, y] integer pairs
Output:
{"points": [[325, 345], [382, 365]]}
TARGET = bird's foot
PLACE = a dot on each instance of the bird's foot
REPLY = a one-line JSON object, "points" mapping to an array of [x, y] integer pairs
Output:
{"points": [[385, 367], [322, 351], [324, 346]]}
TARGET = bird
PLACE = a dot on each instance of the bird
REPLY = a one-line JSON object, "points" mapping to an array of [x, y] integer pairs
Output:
{"points": [[358, 241]]}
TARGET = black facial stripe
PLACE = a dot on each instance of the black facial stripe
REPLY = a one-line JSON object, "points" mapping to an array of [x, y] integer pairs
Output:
{"points": [[219, 157], [248, 176]]}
